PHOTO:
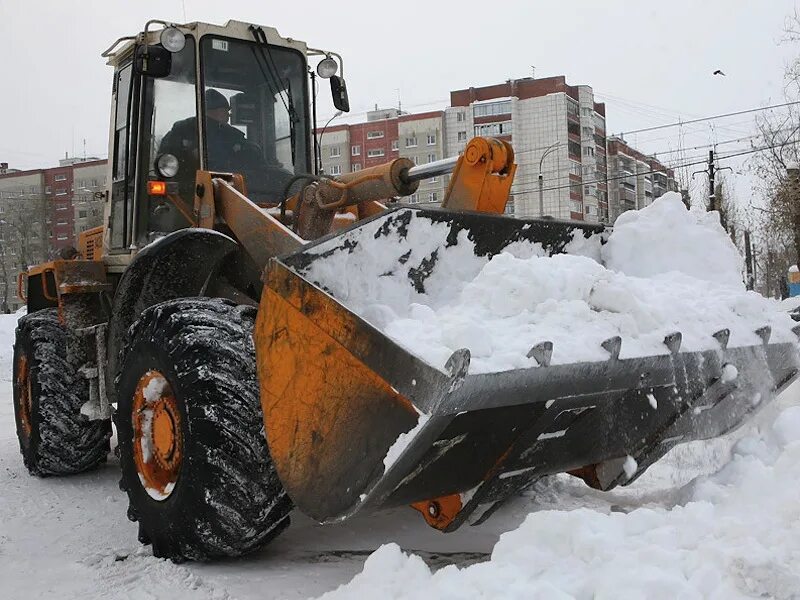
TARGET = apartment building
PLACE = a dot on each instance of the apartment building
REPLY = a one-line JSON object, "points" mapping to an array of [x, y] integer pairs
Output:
{"points": [[24, 229], [42, 211], [387, 134], [634, 179], [557, 130], [87, 198]]}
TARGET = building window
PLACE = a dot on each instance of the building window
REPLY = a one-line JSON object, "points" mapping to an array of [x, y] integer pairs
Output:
{"points": [[413, 199], [460, 116], [336, 169], [356, 167], [490, 129], [375, 152], [82, 214], [60, 177], [575, 168], [61, 222], [62, 236], [492, 108], [61, 191], [586, 112], [395, 145], [432, 197], [374, 135], [47, 190], [336, 151], [588, 151], [411, 142], [462, 136], [355, 150], [572, 108], [62, 206], [431, 157], [590, 210], [431, 139], [433, 179]]}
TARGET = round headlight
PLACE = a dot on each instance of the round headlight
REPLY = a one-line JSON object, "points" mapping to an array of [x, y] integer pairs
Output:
{"points": [[167, 165], [173, 39], [327, 68]]}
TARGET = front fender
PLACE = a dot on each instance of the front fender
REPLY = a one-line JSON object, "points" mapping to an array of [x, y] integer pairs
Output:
{"points": [[178, 265]]}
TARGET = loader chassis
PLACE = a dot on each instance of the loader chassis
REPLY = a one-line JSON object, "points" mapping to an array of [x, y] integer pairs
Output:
{"points": [[241, 388]]}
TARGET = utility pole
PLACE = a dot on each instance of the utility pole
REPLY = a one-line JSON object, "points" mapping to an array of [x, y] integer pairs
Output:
{"points": [[748, 254], [547, 151], [712, 204], [711, 171]]}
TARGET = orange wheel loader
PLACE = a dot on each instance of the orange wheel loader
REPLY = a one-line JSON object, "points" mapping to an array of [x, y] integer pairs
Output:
{"points": [[241, 388]]}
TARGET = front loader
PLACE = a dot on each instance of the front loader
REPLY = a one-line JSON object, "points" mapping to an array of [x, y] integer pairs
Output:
{"points": [[241, 386]]}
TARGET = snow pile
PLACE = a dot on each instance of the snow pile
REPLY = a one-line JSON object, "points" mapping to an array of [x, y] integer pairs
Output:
{"points": [[736, 536], [8, 325], [665, 237], [663, 269]]}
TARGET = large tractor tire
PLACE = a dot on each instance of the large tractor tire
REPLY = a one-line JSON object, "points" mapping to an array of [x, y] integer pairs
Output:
{"points": [[194, 457], [55, 438]]}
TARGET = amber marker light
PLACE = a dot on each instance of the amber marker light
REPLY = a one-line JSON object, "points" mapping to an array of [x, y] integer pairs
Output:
{"points": [[157, 188]]}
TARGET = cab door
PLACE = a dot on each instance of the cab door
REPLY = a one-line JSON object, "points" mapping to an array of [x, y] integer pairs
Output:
{"points": [[126, 87]]}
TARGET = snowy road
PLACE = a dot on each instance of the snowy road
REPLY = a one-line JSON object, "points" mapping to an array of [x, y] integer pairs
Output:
{"points": [[69, 538]]}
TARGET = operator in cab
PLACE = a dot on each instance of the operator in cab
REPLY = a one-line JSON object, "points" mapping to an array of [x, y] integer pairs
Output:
{"points": [[228, 149]]}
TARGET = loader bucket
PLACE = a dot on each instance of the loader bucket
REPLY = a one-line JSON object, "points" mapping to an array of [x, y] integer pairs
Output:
{"points": [[355, 421]]}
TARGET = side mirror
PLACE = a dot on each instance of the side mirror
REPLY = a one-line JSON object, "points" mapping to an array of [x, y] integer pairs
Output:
{"points": [[152, 61], [339, 93]]}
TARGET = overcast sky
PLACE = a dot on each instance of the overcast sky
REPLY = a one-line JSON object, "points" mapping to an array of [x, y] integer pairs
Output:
{"points": [[651, 64]]}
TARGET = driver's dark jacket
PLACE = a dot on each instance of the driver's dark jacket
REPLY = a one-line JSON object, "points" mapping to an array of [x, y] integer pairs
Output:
{"points": [[224, 144], [228, 151]]}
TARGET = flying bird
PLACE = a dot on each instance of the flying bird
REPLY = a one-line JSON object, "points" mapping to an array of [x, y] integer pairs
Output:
{"points": [[719, 72]]}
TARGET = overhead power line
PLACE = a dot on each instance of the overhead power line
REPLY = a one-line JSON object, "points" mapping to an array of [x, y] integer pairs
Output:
{"points": [[673, 167], [711, 118]]}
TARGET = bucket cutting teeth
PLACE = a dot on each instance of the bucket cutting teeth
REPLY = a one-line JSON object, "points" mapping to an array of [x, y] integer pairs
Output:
{"points": [[458, 366], [673, 342], [613, 345], [722, 336], [542, 353]]}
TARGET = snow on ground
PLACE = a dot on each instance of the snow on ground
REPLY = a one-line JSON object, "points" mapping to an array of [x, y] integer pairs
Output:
{"points": [[717, 519], [736, 534], [664, 269], [68, 538]]}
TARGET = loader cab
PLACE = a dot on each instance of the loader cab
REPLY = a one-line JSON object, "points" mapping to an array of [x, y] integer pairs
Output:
{"points": [[232, 98]]}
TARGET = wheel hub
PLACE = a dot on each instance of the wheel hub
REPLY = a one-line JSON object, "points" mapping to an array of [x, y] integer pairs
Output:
{"points": [[165, 434], [24, 386], [157, 436]]}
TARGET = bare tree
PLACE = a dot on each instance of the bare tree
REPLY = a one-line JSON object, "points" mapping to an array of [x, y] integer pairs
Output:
{"points": [[778, 225], [24, 236]]}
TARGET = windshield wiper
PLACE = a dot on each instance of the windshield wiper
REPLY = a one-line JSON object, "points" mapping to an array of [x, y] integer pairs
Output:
{"points": [[288, 102]]}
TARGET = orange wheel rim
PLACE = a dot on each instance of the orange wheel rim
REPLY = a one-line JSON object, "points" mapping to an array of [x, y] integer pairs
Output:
{"points": [[24, 386], [157, 437]]}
